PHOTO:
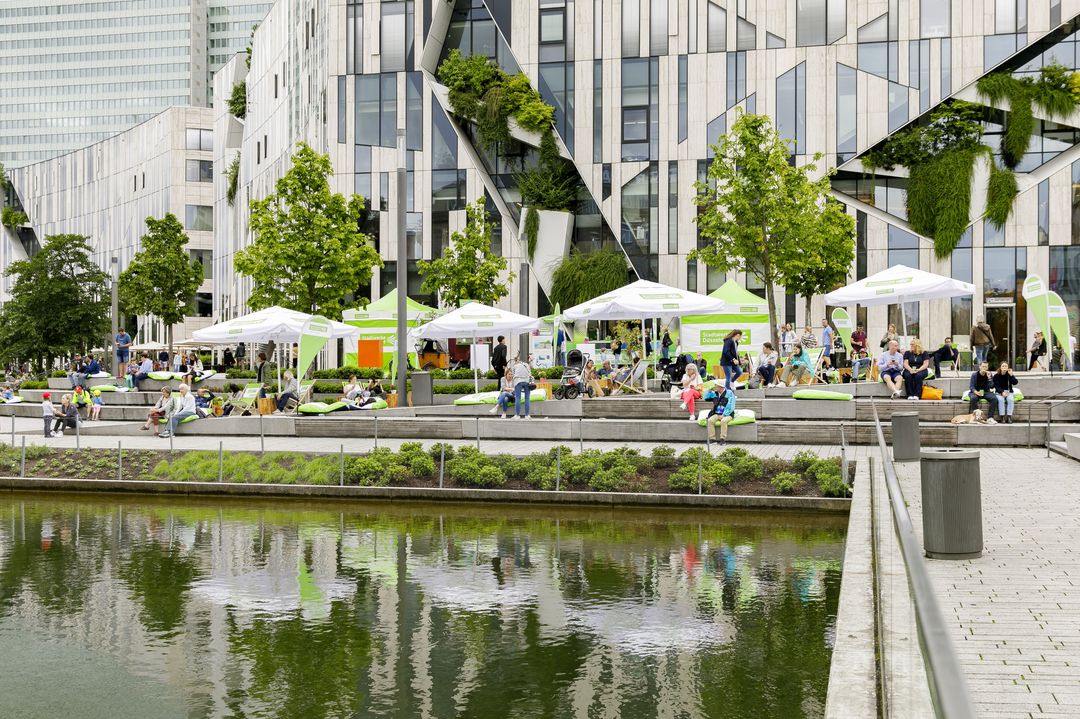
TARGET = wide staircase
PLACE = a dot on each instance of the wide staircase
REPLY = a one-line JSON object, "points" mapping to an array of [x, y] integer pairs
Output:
{"points": [[1049, 416]]}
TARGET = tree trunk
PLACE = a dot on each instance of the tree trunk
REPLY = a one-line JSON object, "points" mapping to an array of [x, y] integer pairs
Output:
{"points": [[806, 313], [770, 290], [168, 333]]}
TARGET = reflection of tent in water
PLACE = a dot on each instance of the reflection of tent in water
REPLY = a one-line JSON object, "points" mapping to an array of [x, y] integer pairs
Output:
{"points": [[472, 582], [649, 629], [371, 552]]}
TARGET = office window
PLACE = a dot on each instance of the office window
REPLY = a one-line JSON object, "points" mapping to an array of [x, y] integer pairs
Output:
{"points": [[1065, 280], [341, 112], [919, 71], [392, 36], [1004, 272], [1010, 16], [716, 127], [553, 34], [631, 27], [847, 139], [376, 110], [640, 112], [204, 304], [736, 77], [199, 218], [443, 140], [961, 269], [206, 259], [673, 208], [640, 212], [904, 250], [199, 170], [1055, 13], [198, 139], [791, 107], [898, 106], [354, 39], [414, 111], [557, 89], [683, 98], [362, 177], [745, 35], [774, 42], [598, 111], [1044, 212], [934, 16], [690, 10], [860, 245], [996, 48], [717, 41], [447, 190], [820, 22], [946, 67], [658, 27], [1075, 191]]}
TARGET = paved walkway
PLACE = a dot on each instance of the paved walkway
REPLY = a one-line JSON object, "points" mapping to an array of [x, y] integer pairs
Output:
{"points": [[1015, 612]]}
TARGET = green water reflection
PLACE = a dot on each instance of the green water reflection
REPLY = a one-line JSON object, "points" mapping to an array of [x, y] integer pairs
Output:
{"points": [[221, 609]]}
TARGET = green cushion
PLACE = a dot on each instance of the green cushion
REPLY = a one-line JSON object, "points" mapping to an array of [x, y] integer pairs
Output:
{"points": [[185, 420], [1017, 396], [98, 375], [160, 376], [14, 400], [742, 416], [105, 388], [537, 395], [821, 394], [320, 407], [379, 403], [204, 375]]}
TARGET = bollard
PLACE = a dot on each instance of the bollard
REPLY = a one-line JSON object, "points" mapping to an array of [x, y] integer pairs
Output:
{"points": [[708, 442], [22, 459], [341, 466], [477, 434], [699, 458], [376, 431], [580, 436], [442, 465], [951, 503], [220, 461], [262, 436], [13, 426], [905, 436], [78, 424], [170, 441], [120, 461], [558, 466]]}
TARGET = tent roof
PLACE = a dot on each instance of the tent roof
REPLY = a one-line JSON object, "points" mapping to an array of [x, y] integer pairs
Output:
{"points": [[386, 306], [645, 299], [897, 284], [475, 319], [732, 293], [273, 323]]}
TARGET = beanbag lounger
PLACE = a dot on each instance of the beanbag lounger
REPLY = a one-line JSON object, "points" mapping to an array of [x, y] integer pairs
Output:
{"points": [[160, 376], [537, 395], [1018, 396], [98, 375], [107, 388], [320, 407], [742, 416], [185, 420], [14, 400], [820, 394]]}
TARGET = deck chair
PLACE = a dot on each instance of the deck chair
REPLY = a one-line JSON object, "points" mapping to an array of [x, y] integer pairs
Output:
{"points": [[246, 400], [637, 377], [815, 353], [303, 395]]}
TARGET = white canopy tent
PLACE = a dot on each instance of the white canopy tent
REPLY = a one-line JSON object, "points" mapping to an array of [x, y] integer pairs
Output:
{"points": [[644, 299], [474, 320], [899, 285], [273, 324]]}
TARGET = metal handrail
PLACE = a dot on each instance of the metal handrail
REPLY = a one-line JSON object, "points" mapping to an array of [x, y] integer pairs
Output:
{"points": [[1049, 416], [948, 687]]}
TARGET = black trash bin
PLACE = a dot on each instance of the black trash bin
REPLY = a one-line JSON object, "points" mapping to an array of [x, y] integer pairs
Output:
{"points": [[423, 394], [905, 436], [951, 503]]}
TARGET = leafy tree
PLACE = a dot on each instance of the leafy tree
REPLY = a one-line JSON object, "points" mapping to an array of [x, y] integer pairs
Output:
{"points": [[468, 270], [821, 261], [12, 218], [161, 279], [59, 302], [762, 215], [238, 100], [308, 251]]}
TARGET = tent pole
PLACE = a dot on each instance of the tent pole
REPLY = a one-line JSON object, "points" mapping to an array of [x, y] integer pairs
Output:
{"points": [[644, 357], [472, 361], [903, 318]]}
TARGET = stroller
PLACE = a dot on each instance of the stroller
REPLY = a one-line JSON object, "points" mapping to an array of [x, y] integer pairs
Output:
{"points": [[572, 382], [673, 371]]}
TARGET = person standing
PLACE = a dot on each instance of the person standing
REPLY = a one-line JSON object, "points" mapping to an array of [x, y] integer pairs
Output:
{"points": [[648, 345], [808, 340], [916, 364], [665, 344], [123, 351], [890, 336], [787, 341], [1004, 382], [185, 409], [48, 412], [261, 369], [1038, 349], [522, 375], [982, 340], [227, 359], [729, 358], [498, 356], [826, 340]]}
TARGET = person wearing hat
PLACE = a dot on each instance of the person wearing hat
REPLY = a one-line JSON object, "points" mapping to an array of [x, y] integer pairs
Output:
{"points": [[82, 402], [48, 412], [95, 408]]}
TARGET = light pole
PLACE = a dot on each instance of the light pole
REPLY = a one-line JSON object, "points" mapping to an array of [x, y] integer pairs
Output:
{"points": [[114, 261], [402, 360]]}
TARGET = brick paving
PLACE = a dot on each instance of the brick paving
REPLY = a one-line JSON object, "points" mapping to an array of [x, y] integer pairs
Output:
{"points": [[1015, 612]]}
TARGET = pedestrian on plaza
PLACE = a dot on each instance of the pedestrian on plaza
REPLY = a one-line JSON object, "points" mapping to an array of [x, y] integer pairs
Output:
{"points": [[185, 409], [890, 336], [826, 340], [163, 360], [916, 366], [66, 416], [123, 351], [95, 409], [1004, 384], [227, 360], [523, 384], [808, 340], [498, 356], [665, 343], [48, 412], [787, 341], [729, 358], [1038, 349], [982, 340]]}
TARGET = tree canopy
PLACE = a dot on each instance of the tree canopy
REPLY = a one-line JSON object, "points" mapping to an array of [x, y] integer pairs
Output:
{"points": [[468, 270], [308, 252], [59, 303], [767, 217], [161, 279]]}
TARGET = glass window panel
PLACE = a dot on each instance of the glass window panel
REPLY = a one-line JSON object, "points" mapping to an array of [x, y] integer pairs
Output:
{"points": [[1075, 191], [354, 39], [714, 130], [683, 98], [746, 35], [658, 27], [774, 42], [996, 48], [673, 208], [846, 104], [414, 111], [367, 110], [810, 22], [691, 9], [598, 111], [392, 36], [635, 125], [717, 28], [946, 67], [192, 137], [631, 24], [388, 114], [934, 18], [874, 58], [443, 140], [785, 109], [1005, 15], [552, 25], [1044, 212], [199, 218], [837, 19], [877, 30], [341, 112], [898, 106]]}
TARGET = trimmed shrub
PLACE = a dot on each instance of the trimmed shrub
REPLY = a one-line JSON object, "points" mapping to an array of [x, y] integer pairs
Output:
{"points": [[685, 478], [717, 474], [663, 457], [620, 477], [438, 448], [774, 466], [826, 473], [747, 469], [803, 460], [786, 482]]}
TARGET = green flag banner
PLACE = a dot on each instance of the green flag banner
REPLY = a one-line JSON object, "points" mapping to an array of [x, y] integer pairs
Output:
{"points": [[842, 320], [1038, 302], [313, 338], [1059, 323]]}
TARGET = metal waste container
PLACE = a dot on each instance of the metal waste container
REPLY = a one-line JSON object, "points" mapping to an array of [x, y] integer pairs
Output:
{"points": [[905, 436], [951, 503], [422, 392]]}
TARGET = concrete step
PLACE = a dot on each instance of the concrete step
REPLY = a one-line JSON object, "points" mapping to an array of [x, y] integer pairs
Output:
{"points": [[141, 399], [1072, 444]]}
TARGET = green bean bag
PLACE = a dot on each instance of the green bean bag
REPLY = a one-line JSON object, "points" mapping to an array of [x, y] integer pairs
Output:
{"points": [[821, 394], [328, 407], [537, 395], [99, 375], [1018, 396], [14, 400], [107, 388], [185, 420], [160, 376], [742, 416]]}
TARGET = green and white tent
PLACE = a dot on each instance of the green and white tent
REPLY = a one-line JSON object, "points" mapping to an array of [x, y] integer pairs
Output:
{"points": [[378, 321], [745, 311]]}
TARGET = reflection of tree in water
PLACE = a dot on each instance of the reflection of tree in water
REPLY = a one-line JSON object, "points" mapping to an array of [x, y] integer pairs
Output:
{"points": [[159, 576], [43, 560]]}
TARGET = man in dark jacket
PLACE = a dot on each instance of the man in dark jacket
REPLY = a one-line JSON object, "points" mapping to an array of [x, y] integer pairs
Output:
{"points": [[498, 357], [980, 389], [945, 353], [982, 340]]}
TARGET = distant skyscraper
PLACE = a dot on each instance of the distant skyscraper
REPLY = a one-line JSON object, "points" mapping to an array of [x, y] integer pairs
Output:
{"points": [[77, 72]]}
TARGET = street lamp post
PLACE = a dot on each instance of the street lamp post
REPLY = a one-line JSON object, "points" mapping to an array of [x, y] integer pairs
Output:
{"points": [[114, 261], [402, 360]]}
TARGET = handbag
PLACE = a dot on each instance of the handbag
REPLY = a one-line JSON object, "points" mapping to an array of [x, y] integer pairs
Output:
{"points": [[932, 393], [532, 386]]}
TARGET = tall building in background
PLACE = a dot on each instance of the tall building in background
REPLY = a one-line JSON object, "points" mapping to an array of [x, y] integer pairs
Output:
{"points": [[77, 72]]}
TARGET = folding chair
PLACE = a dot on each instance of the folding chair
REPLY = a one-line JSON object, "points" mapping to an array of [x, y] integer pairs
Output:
{"points": [[630, 385], [303, 395], [246, 400]]}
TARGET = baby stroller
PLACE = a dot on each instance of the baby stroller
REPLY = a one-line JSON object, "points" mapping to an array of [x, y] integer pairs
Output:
{"points": [[572, 383], [673, 371]]}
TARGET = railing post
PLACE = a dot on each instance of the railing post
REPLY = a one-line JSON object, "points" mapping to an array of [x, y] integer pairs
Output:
{"points": [[13, 425], [22, 459], [120, 460], [699, 459], [442, 463], [558, 467], [262, 436], [477, 434], [580, 435], [341, 466], [221, 461], [376, 431], [78, 424]]}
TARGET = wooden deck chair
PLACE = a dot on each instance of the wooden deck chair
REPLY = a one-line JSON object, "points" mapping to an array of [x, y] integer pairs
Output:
{"points": [[637, 377], [816, 353], [246, 401], [303, 395]]}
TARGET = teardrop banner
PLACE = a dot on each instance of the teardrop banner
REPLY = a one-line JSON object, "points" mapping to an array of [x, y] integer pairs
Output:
{"points": [[842, 320], [313, 337]]}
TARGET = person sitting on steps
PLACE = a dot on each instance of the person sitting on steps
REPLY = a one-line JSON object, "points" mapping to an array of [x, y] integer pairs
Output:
{"points": [[981, 389], [891, 369], [1004, 381], [722, 412], [916, 367]]}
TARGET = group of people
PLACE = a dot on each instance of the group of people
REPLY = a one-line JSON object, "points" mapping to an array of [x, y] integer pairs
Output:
{"points": [[515, 382], [998, 390], [78, 405], [176, 407]]}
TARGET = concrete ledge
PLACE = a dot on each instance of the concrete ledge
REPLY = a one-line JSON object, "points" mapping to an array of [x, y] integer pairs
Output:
{"points": [[806, 409], [309, 491], [224, 427]]}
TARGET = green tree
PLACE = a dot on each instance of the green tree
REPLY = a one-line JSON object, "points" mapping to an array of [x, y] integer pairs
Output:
{"points": [[238, 100], [468, 270], [308, 252], [762, 215], [59, 302], [821, 262], [162, 278]]}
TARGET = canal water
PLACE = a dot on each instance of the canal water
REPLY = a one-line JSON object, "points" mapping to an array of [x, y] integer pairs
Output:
{"points": [[115, 607]]}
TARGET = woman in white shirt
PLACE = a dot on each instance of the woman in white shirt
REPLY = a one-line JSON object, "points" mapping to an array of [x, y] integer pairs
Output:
{"points": [[352, 388], [691, 392], [787, 340], [767, 364]]}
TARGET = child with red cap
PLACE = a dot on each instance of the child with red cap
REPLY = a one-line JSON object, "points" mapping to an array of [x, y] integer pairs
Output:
{"points": [[48, 412]]}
